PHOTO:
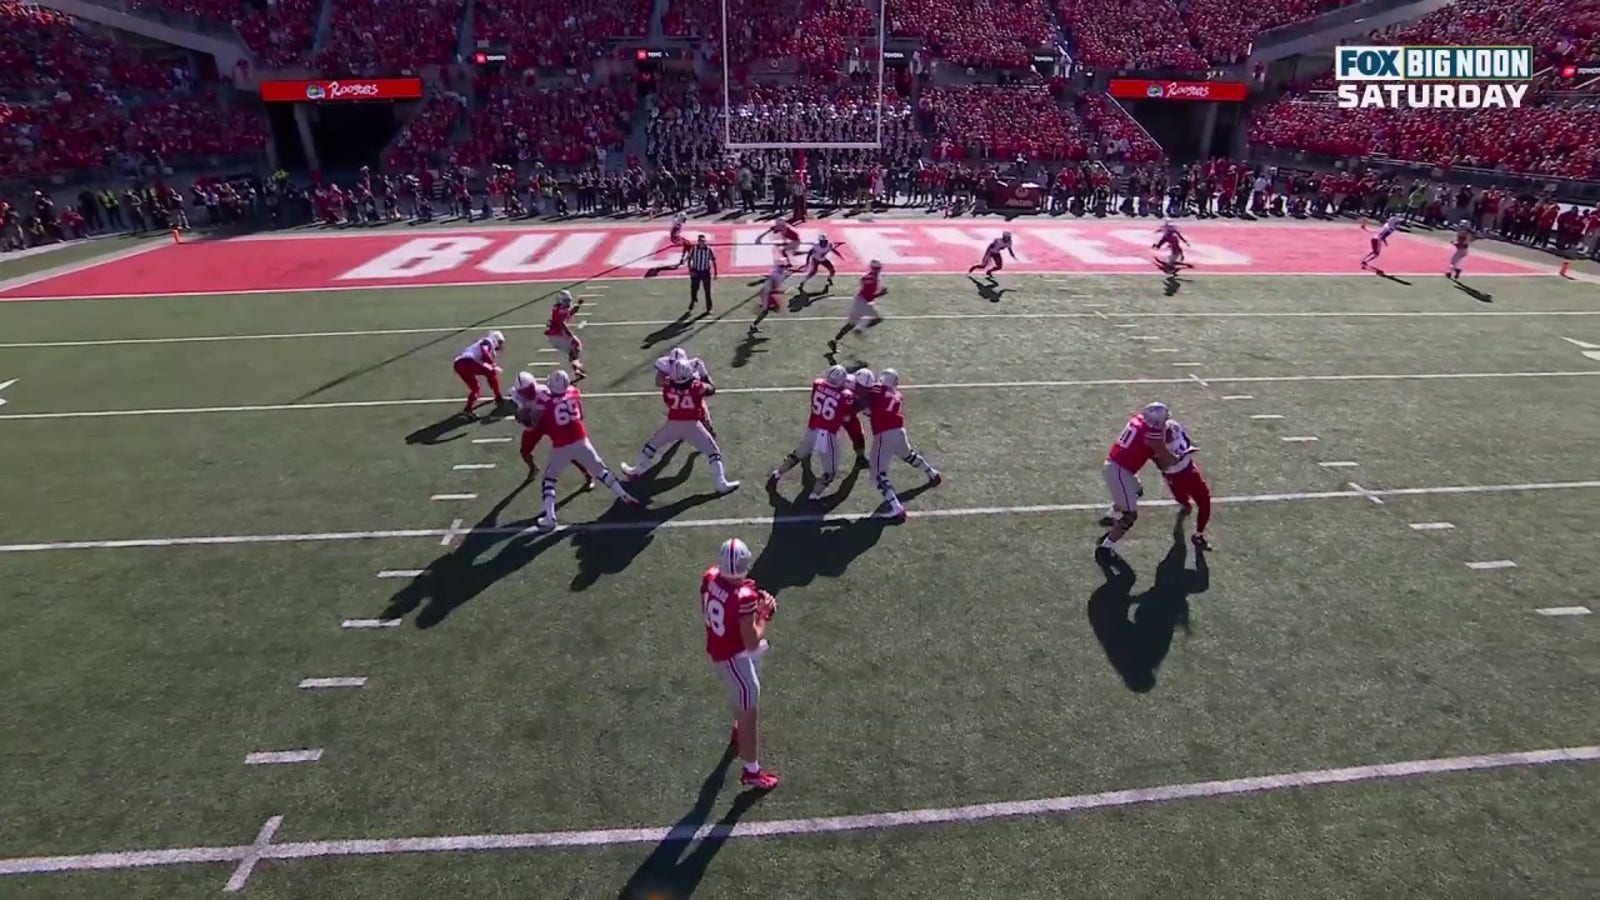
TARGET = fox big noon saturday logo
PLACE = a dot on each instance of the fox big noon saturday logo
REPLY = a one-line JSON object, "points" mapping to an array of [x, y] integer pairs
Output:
{"points": [[1433, 77]]}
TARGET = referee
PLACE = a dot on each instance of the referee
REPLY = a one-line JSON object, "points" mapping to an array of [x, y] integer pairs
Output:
{"points": [[702, 268]]}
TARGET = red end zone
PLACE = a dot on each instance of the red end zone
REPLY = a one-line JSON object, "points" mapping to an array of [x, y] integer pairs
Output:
{"points": [[344, 261]]}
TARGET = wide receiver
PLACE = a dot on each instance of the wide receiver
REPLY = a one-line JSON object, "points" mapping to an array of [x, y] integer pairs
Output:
{"points": [[531, 400], [885, 405], [569, 439], [1176, 457], [477, 361], [991, 262], [1463, 239], [1173, 239], [788, 237], [771, 294], [560, 335], [817, 258], [676, 238], [1379, 241], [863, 308], [737, 613], [1134, 447], [830, 398], [685, 397]]}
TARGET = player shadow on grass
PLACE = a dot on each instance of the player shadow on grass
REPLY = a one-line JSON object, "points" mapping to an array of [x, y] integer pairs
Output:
{"points": [[458, 576], [1474, 293], [989, 290], [436, 432], [747, 349], [699, 324], [610, 547], [1387, 277], [670, 872], [671, 330], [1137, 644], [803, 546], [804, 298]]}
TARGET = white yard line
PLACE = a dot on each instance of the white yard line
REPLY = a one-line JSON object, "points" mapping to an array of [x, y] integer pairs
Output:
{"points": [[956, 512], [880, 821], [1186, 365], [399, 573], [1238, 396], [1432, 526], [443, 497], [370, 623], [471, 467], [323, 683], [1266, 416], [282, 757], [1299, 439], [493, 440], [1165, 350], [656, 323], [1369, 494], [1564, 611], [1195, 377], [971, 385], [247, 864], [1340, 464], [1491, 564], [450, 534]]}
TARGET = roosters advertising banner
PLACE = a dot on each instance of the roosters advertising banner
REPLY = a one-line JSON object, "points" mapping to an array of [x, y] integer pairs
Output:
{"points": [[1141, 89], [341, 90]]}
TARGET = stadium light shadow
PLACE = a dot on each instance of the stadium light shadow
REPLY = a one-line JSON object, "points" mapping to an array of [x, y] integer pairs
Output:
{"points": [[670, 873], [1137, 645]]}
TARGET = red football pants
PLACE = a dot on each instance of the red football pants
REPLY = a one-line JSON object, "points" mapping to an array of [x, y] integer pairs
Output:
{"points": [[469, 371], [1189, 486]]}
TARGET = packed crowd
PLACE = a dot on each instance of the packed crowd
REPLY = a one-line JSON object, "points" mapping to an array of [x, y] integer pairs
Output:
{"points": [[426, 134], [375, 37], [568, 34], [974, 122], [43, 53], [1128, 34], [976, 33], [558, 126], [1121, 138], [278, 33], [1223, 30]]}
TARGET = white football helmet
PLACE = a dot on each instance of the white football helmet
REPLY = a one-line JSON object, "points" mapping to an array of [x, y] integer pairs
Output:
{"points": [[1156, 414], [565, 299], [525, 380], [889, 378], [497, 339], [677, 353], [682, 371], [838, 376], [865, 379], [822, 240], [734, 558], [558, 381]]}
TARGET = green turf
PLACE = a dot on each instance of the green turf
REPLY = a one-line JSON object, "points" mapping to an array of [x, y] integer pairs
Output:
{"points": [[543, 683]]}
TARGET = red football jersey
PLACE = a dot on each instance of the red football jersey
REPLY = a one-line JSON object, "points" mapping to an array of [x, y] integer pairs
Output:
{"points": [[559, 316], [1131, 450], [869, 287], [829, 405], [724, 603], [884, 406], [1171, 239], [686, 401], [563, 420], [786, 232]]}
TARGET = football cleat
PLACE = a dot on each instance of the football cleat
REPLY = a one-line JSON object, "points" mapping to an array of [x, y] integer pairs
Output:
{"points": [[728, 487], [734, 559], [759, 780], [896, 514], [546, 523], [935, 480], [629, 471], [588, 483], [1200, 543], [773, 479]]}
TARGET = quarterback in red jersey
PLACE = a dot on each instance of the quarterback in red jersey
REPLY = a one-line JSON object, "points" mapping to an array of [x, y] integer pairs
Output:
{"points": [[886, 406], [559, 332], [477, 361], [830, 398], [737, 614], [862, 308], [1134, 446], [1188, 484], [531, 399], [569, 442], [685, 396]]}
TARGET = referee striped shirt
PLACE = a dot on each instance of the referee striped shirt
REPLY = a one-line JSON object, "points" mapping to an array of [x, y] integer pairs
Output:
{"points": [[701, 258]]}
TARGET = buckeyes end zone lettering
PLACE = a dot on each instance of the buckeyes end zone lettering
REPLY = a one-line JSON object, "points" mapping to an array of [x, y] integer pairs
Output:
{"points": [[1433, 77]]}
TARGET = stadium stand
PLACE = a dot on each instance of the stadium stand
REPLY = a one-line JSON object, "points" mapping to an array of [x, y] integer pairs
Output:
{"points": [[1129, 34], [1121, 138], [563, 126], [278, 33], [420, 143], [376, 37], [1223, 30], [569, 35], [1000, 123]]}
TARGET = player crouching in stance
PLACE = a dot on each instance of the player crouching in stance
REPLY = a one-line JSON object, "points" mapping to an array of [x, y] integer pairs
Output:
{"points": [[1188, 484], [1134, 447], [1379, 241], [698, 367], [737, 614], [991, 262], [1173, 239], [771, 294], [560, 335], [569, 440], [817, 258], [685, 396], [788, 237], [831, 397], [531, 400], [885, 405], [477, 361], [862, 307]]}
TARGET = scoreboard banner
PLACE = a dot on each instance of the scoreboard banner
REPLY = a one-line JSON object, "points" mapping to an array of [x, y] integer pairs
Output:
{"points": [[341, 90]]}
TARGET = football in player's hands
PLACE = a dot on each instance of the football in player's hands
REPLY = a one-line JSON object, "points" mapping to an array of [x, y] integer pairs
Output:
{"points": [[767, 606]]}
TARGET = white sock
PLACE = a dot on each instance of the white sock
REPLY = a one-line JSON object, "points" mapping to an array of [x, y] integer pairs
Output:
{"points": [[753, 766], [718, 472], [549, 498], [610, 481]]}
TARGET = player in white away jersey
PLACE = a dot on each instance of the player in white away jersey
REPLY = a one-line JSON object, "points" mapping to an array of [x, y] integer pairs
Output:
{"points": [[991, 262], [817, 258], [1379, 240]]}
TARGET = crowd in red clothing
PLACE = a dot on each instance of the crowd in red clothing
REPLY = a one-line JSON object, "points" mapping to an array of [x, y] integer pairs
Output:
{"points": [[43, 51], [976, 33], [377, 37], [815, 35], [278, 33], [1128, 34], [1223, 30], [1121, 138], [568, 34], [558, 126], [426, 133], [975, 122]]}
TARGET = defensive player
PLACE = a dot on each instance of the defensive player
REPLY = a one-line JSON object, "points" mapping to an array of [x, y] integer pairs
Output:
{"points": [[817, 258], [560, 335], [1380, 240], [477, 361], [771, 294], [885, 406], [862, 308], [1173, 239], [1129, 452], [737, 613], [676, 238], [531, 399], [569, 439], [685, 397], [991, 262], [830, 397], [1463, 239], [1184, 478], [696, 365]]}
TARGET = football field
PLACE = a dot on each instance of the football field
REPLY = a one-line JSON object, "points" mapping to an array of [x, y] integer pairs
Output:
{"points": [[278, 622]]}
